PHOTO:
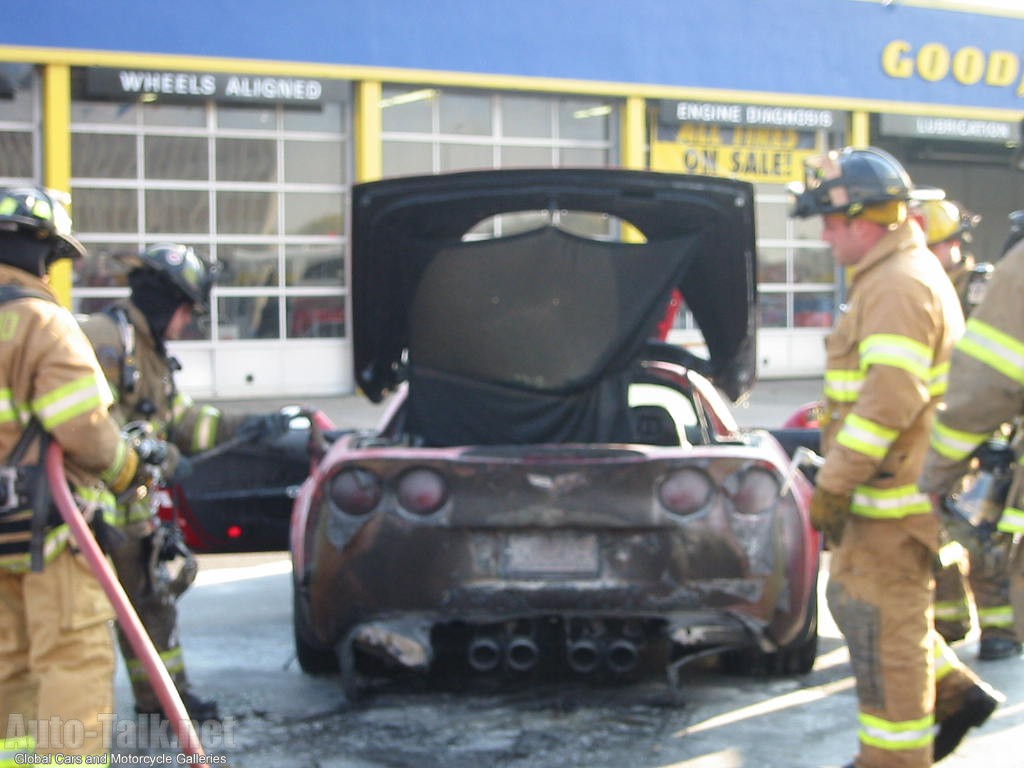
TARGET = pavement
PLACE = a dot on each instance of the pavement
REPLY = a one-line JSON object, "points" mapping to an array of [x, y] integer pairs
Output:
{"points": [[768, 404]]}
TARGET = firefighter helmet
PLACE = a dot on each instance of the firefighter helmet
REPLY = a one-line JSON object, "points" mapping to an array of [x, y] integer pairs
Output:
{"points": [[43, 224], [948, 220], [848, 181], [183, 270], [1016, 232]]}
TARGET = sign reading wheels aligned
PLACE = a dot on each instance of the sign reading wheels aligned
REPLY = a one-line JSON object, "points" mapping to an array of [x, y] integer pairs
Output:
{"points": [[227, 87]]}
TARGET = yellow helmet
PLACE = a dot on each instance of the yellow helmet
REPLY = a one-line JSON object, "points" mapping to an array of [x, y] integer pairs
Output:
{"points": [[946, 219]]}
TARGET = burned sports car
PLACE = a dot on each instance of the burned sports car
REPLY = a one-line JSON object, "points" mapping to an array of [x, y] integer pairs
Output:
{"points": [[552, 488]]}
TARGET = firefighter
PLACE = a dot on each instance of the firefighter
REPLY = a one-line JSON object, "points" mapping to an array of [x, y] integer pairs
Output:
{"points": [[885, 360], [56, 651], [986, 393], [169, 284], [948, 227]]}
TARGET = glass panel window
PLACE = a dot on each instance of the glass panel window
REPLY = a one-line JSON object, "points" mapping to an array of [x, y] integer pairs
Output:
{"points": [[510, 130], [247, 317], [403, 158], [813, 265], [21, 106], [104, 112], [247, 118], [771, 310], [465, 113], [247, 160], [526, 157], [584, 119], [407, 109], [105, 210], [318, 266], [813, 309], [771, 265], [16, 154], [806, 229], [314, 214], [170, 211], [329, 119], [466, 157], [248, 266], [104, 266], [247, 213], [253, 187], [177, 157], [103, 156], [174, 115], [577, 157], [314, 162], [528, 116], [316, 316]]}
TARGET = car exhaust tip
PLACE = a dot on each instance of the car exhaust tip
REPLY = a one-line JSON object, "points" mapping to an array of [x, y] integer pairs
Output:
{"points": [[583, 656], [521, 654], [484, 654], [622, 656]]}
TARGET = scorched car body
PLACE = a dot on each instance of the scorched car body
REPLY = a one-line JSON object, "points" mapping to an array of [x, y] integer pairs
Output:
{"points": [[550, 487]]}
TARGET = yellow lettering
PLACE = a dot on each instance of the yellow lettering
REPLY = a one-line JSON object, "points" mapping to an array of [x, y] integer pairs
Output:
{"points": [[933, 61], [894, 60], [696, 133], [765, 137], [1002, 68], [8, 325], [968, 65]]}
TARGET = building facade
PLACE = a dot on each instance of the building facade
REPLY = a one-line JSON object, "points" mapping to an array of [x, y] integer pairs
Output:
{"points": [[240, 129]]}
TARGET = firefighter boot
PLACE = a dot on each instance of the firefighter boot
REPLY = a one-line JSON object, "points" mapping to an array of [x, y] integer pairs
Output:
{"points": [[995, 648], [198, 709], [979, 702]]}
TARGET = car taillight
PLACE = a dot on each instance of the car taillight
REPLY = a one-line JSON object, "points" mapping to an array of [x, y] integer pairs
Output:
{"points": [[757, 491], [356, 491], [422, 491], [686, 491]]}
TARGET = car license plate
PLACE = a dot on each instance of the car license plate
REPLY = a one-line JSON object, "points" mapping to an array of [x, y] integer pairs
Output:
{"points": [[553, 553]]}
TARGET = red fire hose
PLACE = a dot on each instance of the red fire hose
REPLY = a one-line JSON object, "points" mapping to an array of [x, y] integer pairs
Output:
{"points": [[164, 687]]}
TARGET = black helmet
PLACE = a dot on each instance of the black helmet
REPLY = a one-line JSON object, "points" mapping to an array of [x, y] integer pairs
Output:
{"points": [[42, 225], [1016, 232], [180, 266], [849, 180]]}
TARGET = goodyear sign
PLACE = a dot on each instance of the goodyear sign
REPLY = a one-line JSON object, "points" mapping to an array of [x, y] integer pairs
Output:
{"points": [[747, 153]]}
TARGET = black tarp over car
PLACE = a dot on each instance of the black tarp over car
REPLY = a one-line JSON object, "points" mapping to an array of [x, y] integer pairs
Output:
{"points": [[532, 338]]}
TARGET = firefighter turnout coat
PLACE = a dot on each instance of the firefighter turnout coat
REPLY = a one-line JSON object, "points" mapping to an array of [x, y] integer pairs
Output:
{"points": [[56, 656], [986, 390], [48, 369], [887, 361], [141, 376]]}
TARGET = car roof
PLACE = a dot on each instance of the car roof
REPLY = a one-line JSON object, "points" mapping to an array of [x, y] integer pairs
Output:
{"points": [[545, 309]]}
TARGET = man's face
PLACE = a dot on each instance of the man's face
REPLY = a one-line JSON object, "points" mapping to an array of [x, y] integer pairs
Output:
{"points": [[179, 320], [841, 234], [948, 253]]}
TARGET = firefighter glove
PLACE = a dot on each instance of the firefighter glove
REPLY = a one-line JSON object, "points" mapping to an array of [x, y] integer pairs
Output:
{"points": [[829, 512], [264, 428]]}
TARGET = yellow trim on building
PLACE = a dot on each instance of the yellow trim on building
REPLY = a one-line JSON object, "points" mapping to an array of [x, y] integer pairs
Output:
{"points": [[92, 58], [57, 155], [368, 128]]}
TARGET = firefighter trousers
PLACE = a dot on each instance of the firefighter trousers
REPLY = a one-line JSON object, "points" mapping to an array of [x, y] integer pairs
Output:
{"points": [[56, 661], [147, 584], [880, 593]]}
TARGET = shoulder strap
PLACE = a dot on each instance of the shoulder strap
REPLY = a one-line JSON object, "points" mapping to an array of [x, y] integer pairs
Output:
{"points": [[129, 365]]}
